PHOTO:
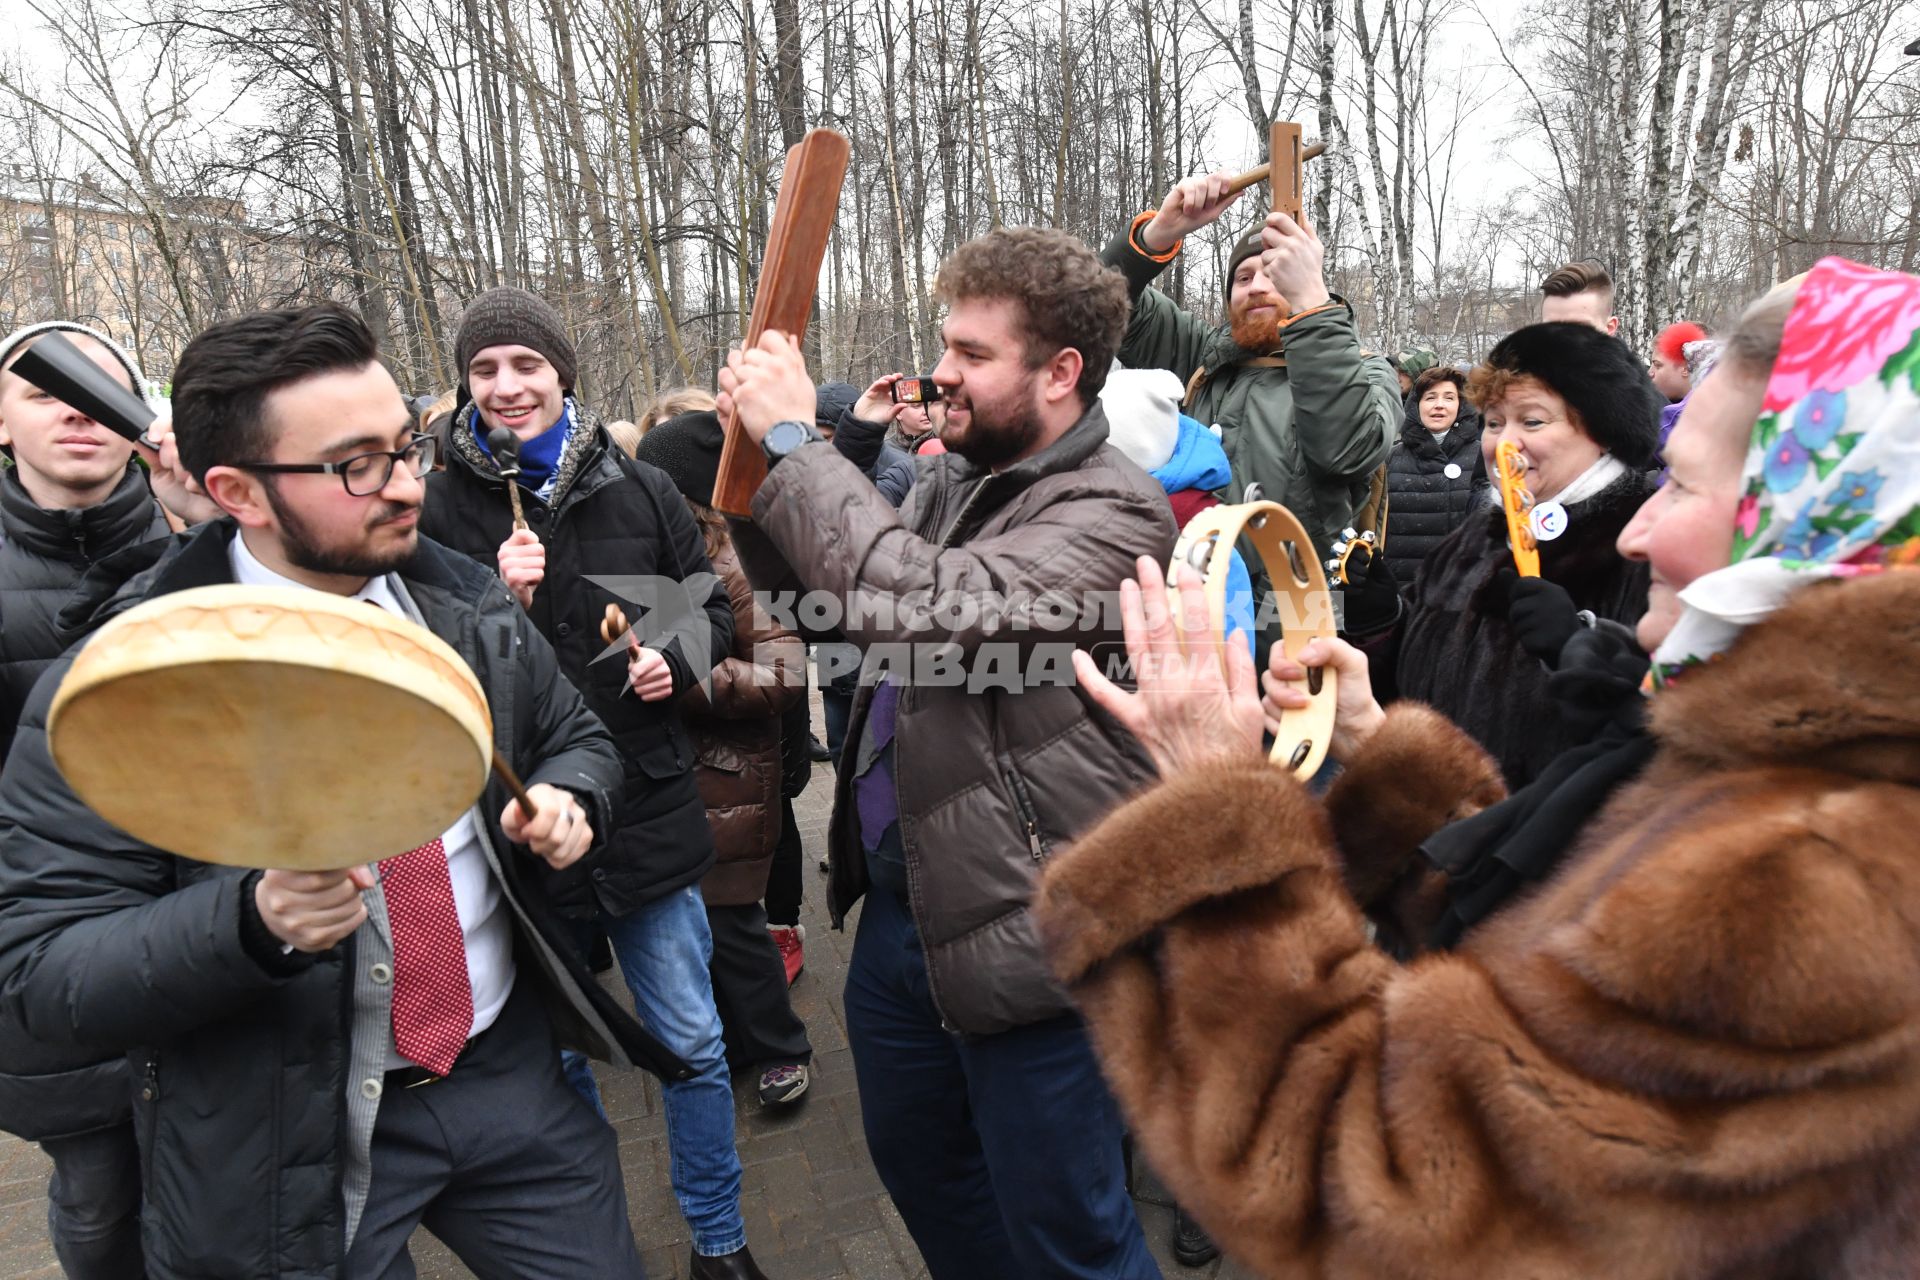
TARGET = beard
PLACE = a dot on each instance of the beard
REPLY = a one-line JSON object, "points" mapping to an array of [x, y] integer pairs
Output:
{"points": [[304, 550], [1255, 333], [996, 434]]}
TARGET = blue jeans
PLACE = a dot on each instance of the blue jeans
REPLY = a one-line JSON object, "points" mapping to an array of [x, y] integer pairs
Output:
{"points": [[1001, 1152], [664, 949]]}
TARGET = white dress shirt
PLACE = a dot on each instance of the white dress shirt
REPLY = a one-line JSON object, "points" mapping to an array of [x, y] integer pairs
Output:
{"points": [[487, 930]]}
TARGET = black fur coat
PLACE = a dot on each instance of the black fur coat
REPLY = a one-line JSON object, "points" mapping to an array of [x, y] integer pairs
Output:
{"points": [[1456, 652]]}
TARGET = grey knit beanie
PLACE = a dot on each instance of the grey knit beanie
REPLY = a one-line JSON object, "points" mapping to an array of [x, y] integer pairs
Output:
{"points": [[10, 346], [509, 316]]}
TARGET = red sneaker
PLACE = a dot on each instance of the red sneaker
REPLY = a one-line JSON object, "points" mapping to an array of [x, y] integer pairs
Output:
{"points": [[791, 939]]}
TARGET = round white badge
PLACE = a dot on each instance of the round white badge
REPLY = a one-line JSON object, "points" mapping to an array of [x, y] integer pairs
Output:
{"points": [[1452, 472], [1547, 521]]}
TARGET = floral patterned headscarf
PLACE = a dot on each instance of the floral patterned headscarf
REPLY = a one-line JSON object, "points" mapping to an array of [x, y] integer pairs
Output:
{"points": [[1832, 480]]}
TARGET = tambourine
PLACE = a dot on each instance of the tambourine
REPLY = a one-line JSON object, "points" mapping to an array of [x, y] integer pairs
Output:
{"points": [[1516, 500], [272, 727], [1344, 547], [1207, 544]]}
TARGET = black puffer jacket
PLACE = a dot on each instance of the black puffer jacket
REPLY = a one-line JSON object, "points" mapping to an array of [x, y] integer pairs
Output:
{"points": [[114, 944], [1433, 484], [613, 519], [52, 1091], [1457, 653], [43, 556]]}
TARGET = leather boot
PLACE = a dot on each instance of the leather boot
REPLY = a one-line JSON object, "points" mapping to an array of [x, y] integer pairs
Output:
{"points": [[738, 1265], [1192, 1246]]}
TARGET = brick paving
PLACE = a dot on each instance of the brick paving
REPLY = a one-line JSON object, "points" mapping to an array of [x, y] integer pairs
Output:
{"points": [[814, 1207]]}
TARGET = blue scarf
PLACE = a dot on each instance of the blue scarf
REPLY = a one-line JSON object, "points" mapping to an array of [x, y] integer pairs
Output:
{"points": [[538, 456]]}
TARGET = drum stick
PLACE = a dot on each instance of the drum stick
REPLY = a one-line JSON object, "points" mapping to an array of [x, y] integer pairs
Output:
{"points": [[512, 779], [614, 625], [1259, 172], [506, 455]]}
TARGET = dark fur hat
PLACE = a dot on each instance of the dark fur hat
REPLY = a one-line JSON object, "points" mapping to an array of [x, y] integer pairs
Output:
{"points": [[1599, 378], [687, 448]]}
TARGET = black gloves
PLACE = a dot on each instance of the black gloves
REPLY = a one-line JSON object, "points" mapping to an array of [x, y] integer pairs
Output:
{"points": [[1372, 595], [1596, 667], [1541, 614], [1598, 682]]}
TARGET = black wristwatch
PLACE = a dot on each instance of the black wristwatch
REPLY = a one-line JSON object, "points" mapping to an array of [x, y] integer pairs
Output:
{"points": [[784, 437]]}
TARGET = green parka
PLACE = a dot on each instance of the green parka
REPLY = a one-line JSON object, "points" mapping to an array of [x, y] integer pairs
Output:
{"points": [[1310, 431]]}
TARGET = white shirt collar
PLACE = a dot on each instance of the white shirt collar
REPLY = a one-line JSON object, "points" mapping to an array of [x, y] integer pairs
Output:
{"points": [[249, 572]]}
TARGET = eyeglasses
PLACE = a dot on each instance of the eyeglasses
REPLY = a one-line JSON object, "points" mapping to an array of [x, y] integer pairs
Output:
{"points": [[364, 474]]}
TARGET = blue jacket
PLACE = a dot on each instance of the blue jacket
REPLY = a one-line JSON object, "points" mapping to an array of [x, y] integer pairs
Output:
{"points": [[1200, 462]]}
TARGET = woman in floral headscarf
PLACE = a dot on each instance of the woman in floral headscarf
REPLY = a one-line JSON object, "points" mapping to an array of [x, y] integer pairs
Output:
{"points": [[1832, 477], [1692, 1048]]}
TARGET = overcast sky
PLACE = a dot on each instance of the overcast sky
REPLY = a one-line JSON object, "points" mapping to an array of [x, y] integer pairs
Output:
{"points": [[1494, 156]]}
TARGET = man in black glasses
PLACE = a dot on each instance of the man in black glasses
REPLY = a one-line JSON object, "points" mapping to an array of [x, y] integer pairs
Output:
{"points": [[296, 1115], [606, 531]]}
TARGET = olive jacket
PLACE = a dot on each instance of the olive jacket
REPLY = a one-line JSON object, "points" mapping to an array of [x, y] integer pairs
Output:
{"points": [[1309, 422]]}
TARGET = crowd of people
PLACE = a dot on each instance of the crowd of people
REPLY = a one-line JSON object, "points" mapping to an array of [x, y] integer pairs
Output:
{"points": [[1591, 951]]}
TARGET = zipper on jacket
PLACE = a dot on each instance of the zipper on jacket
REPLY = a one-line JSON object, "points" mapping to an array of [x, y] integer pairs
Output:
{"points": [[150, 1095], [1023, 804]]}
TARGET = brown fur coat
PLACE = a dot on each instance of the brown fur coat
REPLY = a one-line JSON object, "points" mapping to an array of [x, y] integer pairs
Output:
{"points": [[1695, 1052]]}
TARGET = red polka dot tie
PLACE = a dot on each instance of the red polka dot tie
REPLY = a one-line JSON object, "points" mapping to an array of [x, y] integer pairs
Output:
{"points": [[432, 994]]}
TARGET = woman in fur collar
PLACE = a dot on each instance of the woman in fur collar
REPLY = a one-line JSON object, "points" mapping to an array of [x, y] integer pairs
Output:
{"points": [[1694, 1050], [1586, 419]]}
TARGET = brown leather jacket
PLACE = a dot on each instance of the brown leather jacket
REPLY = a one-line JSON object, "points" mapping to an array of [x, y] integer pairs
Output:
{"points": [[734, 722], [999, 771]]}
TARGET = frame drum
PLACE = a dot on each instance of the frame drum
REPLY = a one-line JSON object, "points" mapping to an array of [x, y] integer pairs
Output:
{"points": [[271, 727]]}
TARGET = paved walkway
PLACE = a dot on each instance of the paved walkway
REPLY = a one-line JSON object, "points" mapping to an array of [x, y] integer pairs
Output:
{"points": [[815, 1209]]}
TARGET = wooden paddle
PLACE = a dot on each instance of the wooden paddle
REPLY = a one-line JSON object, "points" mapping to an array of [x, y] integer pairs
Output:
{"points": [[803, 217]]}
